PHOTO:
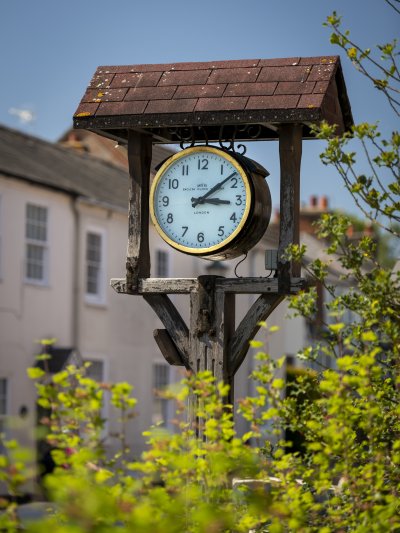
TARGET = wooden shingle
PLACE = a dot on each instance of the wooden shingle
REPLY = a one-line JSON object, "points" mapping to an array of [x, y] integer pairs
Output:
{"points": [[165, 98]]}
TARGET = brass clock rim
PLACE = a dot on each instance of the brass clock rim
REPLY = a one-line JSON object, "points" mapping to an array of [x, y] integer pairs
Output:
{"points": [[249, 200]]}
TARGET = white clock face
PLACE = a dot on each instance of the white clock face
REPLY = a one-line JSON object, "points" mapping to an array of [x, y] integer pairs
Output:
{"points": [[200, 200]]}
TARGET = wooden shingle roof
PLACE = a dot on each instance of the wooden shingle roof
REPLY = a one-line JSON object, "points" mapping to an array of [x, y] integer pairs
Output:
{"points": [[164, 98]]}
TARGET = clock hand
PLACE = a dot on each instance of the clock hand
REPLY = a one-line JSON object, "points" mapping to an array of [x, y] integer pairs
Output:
{"points": [[215, 201], [212, 190]]}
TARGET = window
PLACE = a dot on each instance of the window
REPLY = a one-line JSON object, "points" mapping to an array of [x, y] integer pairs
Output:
{"points": [[161, 407], [95, 272], [97, 372], [36, 268], [3, 403], [162, 264]]}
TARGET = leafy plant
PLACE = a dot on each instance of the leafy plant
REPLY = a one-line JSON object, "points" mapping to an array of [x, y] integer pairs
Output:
{"points": [[204, 477]]}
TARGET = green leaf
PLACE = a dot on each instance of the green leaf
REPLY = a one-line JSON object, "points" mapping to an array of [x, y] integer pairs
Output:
{"points": [[368, 336], [256, 344], [35, 372], [336, 328]]}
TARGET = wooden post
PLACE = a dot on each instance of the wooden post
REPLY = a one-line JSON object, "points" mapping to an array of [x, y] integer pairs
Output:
{"points": [[211, 343], [290, 147], [138, 253], [212, 324]]}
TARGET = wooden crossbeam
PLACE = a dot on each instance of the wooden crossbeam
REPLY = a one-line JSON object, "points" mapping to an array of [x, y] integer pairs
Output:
{"points": [[226, 285]]}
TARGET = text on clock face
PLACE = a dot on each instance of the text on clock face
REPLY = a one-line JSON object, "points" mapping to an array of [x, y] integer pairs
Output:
{"points": [[201, 200]]}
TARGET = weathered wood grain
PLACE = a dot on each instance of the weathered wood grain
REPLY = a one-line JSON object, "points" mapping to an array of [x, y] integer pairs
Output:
{"points": [[173, 322], [248, 328], [157, 285], [138, 253], [167, 347], [227, 285], [212, 324], [256, 285], [290, 149]]}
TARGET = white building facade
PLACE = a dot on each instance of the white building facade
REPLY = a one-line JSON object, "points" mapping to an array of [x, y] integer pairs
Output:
{"points": [[63, 235]]}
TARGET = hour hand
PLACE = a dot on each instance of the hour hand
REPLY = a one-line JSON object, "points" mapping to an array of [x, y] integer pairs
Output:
{"points": [[200, 200], [214, 201]]}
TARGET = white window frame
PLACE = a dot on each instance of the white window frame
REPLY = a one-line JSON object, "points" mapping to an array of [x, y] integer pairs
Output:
{"points": [[44, 244], [160, 252], [98, 298]]}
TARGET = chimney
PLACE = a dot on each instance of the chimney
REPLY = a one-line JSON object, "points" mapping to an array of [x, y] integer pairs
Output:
{"points": [[323, 203], [313, 201]]}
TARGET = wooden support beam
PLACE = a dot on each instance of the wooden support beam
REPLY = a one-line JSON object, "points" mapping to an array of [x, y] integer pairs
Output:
{"points": [[167, 347], [212, 324], [138, 253], [173, 322], [248, 328], [290, 148], [226, 285]]}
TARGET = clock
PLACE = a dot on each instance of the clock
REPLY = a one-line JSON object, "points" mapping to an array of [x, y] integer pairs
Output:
{"points": [[210, 203]]}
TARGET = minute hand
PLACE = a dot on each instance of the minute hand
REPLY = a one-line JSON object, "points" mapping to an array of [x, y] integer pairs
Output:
{"points": [[212, 190]]}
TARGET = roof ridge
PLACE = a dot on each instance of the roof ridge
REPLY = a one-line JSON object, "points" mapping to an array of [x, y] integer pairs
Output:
{"points": [[58, 146]]}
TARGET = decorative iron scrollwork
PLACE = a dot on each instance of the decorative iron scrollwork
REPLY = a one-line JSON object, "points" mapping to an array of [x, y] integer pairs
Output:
{"points": [[187, 136], [231, 141]]}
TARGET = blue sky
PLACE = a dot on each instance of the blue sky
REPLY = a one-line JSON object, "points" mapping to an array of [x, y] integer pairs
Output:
{"points": [[50, 49]]}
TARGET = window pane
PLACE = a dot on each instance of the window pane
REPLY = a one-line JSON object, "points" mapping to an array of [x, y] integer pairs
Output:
{"points": [[160, 405], [161, 376], [35, 261], [93, 247], [93, 263], [96, 370], [36, 223]]}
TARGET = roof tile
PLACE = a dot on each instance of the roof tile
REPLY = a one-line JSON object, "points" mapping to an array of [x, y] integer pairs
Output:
{"points": [[199, 91], [318, 60], [233, 75], [279, 62], [101, 81], [121, 108], [104, 95], [125, 69], [221, 104], [321, 87], [150, 93], [136, 79], [310, 100], [250, 89], [234, 63], [273, 102], [184, 77], [86, 110], [288, 73], [184, 105], [294, 87], [321, 72]]}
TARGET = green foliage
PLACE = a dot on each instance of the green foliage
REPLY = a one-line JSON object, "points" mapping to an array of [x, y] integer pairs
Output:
{"points": [[377, 193], [342, 474]]}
